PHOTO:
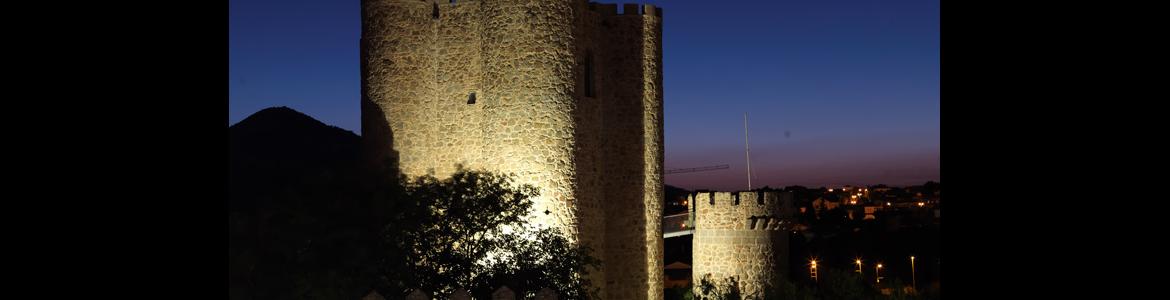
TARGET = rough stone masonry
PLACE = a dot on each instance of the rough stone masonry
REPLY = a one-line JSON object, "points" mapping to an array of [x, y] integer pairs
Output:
{"points": [[741, 235], [565, 94]]}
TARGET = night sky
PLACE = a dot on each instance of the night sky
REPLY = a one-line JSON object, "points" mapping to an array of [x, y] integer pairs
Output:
{"points": [[837, 91]]}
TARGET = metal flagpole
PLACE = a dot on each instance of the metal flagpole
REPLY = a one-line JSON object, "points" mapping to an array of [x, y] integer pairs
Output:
{"points": [[747, 151]]}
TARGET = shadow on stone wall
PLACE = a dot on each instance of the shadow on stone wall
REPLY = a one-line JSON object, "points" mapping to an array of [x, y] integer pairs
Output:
{"points": [[377, 137], [381, 160], [377, 140]]}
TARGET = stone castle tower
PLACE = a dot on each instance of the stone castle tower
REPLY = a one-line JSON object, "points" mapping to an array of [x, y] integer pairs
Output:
{"points": [[565, 94], [740, 235]]}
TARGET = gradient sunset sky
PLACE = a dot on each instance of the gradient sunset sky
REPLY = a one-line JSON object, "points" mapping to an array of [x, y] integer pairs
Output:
{"points": [[837, 91]]}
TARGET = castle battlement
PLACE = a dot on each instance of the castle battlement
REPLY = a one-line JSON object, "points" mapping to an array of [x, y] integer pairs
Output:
{"points": [[628, 9], [737, 198], [604, 9], [740, 210]]}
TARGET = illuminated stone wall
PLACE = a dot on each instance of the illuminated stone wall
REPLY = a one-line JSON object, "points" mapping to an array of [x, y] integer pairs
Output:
{"points": [[595, 155], [740, 235], [632, 126]]}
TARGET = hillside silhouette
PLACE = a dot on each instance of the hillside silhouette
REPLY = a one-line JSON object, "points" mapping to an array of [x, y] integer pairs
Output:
{"points": [[295, 204], [281, 147]]}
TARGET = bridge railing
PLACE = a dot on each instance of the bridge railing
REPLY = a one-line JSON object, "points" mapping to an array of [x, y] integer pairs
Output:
{"points": [[677, 224]]}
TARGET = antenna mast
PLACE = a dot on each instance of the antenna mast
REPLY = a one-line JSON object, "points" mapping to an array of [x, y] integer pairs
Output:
{"points": [[747, 151]]}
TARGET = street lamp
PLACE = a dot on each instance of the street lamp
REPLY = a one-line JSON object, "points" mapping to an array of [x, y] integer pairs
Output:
{"points": [[813, 270], [913, 279], [877, 272], [858, 261]]}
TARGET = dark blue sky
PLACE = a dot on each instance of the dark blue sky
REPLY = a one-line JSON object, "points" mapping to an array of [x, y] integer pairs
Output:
{"points": [[855, 82]]}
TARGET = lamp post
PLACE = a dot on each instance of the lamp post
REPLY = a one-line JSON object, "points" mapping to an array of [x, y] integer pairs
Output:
{"points": [[877, 272], [858, 261], [813, 270], [913, 279]]}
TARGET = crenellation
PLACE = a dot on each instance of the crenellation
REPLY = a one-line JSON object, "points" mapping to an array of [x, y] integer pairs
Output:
{"points": [[649, 10], [605, 9], [630, 9]]}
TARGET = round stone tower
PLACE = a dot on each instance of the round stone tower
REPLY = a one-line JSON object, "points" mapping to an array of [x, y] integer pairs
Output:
{"points": [[528, 85], [564, 94], [740, 235], [486, 84]]}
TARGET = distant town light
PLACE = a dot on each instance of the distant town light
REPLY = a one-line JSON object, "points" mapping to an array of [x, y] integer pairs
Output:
{"points": [[830, 190], [921, 204]]}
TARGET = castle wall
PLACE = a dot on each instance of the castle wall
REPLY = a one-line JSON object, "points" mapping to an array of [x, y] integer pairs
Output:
{"points": [[458, 74], [528, 82], [593, 148], [588, 118], [632, 147], [740, 235], [398, 80]]}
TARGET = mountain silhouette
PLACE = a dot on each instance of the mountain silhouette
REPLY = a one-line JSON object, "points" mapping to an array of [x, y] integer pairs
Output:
{"points": [[293, 139], [291, 188], [279, 148]]}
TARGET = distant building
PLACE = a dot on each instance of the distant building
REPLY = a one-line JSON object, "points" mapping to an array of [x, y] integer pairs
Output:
{"points": [[870, 210], [677, 274], [826, 202]]}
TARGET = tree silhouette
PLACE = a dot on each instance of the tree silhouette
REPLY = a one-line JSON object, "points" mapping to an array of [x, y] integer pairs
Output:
{"points": [[472, 231]]}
